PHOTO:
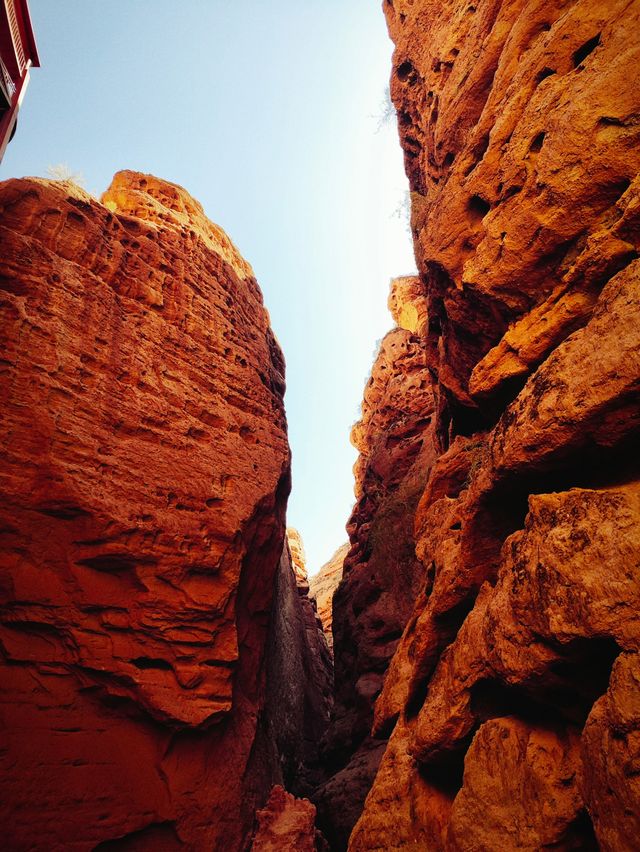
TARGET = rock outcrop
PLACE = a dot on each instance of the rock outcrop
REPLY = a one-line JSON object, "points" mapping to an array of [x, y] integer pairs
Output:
{"points": [[322, 586], [285, 824], [144, 472], [513, 694], [382, 576]]}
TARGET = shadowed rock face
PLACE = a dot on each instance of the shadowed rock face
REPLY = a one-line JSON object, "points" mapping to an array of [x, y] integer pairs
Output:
{"points": [[145, 471], [299, 675], [512, 695]]}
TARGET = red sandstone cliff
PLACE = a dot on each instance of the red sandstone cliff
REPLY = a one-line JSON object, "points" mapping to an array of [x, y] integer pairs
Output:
{"points": [[513, 694], [144, 472]]}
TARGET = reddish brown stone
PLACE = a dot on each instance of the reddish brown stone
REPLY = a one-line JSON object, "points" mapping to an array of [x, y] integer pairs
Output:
{"points": [[611, 758], [523, 159], [510, 116], [285, 824], [520, 790], [144, 476], [322, 586]]}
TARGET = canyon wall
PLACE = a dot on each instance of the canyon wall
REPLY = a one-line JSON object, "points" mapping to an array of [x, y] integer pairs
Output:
{"points": [[381, 576], [512, 697], [145, 473]]}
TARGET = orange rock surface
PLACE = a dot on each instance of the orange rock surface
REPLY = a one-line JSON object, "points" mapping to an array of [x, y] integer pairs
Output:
{"points": [[144, 472], [322, 586], [285, 824], [298, 558], [512, 696]]}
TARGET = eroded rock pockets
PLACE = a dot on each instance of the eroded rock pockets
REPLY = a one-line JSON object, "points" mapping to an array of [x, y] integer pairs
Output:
{"points": [[145, 473], [512, 695]]}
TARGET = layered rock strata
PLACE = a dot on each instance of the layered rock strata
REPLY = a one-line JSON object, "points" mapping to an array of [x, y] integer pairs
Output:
{"points": [[381, 574], [145, 471], [512, 696]]}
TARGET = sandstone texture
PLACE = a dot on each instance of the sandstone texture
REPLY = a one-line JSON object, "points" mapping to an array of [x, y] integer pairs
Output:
{"points": [[144, 473], [285, 824], [322, 586], [511, 700], [298, 557], [382, 576]]}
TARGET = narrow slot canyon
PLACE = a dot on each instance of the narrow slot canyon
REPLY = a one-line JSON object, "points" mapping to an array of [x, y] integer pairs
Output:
{"points": [[462, 674]]}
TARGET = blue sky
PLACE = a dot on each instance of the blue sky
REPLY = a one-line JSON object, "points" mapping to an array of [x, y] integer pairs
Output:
{"points": [[268, 112]]}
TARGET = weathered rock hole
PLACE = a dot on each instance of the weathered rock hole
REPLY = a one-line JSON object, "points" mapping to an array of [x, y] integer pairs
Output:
{"points": [[537, 143], [151, 663], [63, 511], [580, 834], [405, 71], [111, 563], [446, 773], [546, 72], [478, 207], [412, 147], [610, 121], [511, 191], [583, 676], [588, 47]]}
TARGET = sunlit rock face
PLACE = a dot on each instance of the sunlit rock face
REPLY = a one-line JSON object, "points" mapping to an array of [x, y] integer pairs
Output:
{"points": [[298, 557], [517, 123], [513, 694], [145, 470], [322, 586], [382, 576]]}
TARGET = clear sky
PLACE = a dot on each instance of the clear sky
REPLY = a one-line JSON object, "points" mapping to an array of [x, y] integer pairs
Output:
{"points": [[268, 112]]}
